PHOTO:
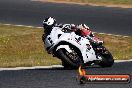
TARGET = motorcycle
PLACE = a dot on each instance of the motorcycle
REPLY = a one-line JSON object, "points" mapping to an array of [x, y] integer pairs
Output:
{"points": [[74, 50]]}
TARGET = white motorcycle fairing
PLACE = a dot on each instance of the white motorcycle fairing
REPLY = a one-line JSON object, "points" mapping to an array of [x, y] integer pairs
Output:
{"points": [[57, 35]]}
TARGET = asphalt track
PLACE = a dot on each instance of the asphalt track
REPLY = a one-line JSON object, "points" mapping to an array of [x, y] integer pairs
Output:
{"points": [[60, 78], [100, 19]]}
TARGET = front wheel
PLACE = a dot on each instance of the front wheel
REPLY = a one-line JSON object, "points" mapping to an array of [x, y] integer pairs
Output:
{"points": [[107, 59], [72, 59]]}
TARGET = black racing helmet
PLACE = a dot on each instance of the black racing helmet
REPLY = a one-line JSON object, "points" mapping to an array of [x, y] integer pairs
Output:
{"points": [[48, 23]]}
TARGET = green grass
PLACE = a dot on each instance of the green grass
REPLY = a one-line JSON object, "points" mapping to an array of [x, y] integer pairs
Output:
{"points": [[23, 46], [128, 2]]}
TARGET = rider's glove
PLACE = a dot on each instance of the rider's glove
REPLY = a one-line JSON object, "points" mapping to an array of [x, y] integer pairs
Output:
{"points": [[66, 27]]}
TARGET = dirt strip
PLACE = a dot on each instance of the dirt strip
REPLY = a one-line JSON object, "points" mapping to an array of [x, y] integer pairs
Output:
{"points": [[91, 4]]}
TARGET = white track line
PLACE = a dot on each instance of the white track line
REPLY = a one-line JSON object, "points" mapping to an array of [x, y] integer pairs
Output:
{"points": [[117, 61], [102, 33], [30, 68], [18, 25], [29, 26], [39, 27], [48, 67], [6, 24], [125, 36], [42, 27]]}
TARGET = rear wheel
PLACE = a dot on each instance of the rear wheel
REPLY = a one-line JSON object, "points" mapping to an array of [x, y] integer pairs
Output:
{"points": [[72, 59]]}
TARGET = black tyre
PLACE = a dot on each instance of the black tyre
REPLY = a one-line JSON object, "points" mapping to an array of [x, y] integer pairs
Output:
{"points": [[107, 59], [72, 60], [66, 65]]}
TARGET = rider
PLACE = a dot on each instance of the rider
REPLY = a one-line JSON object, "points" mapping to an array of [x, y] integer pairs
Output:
{"points": [[80, 29]]}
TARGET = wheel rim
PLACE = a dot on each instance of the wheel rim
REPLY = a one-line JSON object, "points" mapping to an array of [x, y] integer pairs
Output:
{"points": [[73, 56]]}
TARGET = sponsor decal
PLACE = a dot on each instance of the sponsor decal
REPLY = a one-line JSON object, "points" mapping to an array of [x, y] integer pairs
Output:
{"points": [[78, 40], [99, 78]]}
